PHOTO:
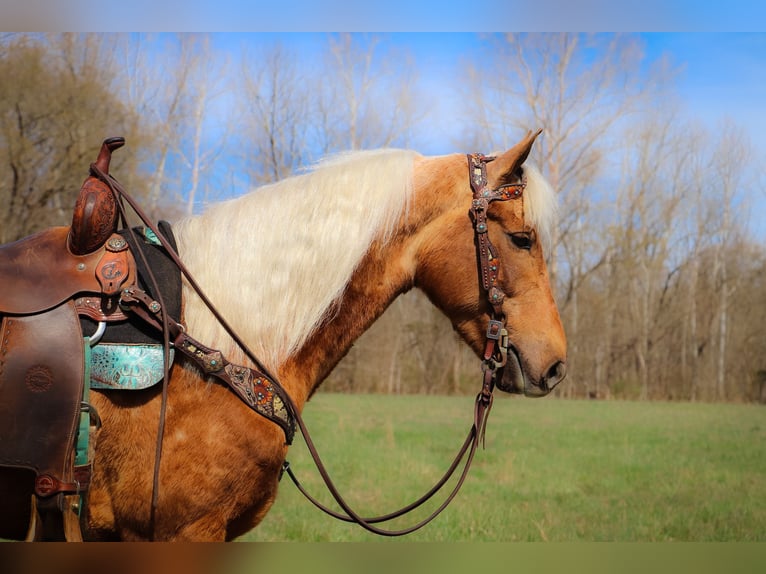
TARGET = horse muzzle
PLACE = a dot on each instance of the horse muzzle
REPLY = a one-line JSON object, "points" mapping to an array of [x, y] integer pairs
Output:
{"points": [[515, 380]]}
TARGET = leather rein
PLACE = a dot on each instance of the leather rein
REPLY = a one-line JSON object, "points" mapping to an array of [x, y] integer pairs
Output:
{"points": [[494, 358]]}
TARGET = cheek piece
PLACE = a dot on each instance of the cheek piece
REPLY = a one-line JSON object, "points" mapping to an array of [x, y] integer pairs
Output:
{"points": [[497, 344]]}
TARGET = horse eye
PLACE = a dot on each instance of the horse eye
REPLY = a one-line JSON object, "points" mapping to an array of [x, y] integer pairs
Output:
{"points": [[521, 240]]}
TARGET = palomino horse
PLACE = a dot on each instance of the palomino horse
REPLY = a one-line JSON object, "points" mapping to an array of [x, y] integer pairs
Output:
{"points": [[300, 269]]}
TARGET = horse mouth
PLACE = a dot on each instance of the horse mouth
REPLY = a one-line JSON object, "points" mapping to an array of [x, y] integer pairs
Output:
{"points": [[515, 381]]}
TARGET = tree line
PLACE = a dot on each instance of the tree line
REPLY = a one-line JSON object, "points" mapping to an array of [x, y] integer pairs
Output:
{"points": [[660, 282]]}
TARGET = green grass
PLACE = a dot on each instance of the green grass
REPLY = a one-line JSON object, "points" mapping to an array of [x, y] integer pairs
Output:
{"points": [[552, 470]]}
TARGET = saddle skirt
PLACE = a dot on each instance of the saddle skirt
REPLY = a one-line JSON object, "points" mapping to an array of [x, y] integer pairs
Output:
{"points": [[41, 386]]}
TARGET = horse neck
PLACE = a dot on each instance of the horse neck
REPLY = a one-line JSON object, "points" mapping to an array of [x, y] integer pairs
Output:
{"points": [[384, 274], [387, 271], [265, 304]]}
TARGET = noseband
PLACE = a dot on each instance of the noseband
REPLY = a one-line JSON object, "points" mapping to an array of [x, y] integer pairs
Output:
{"points": [[496, 346]]}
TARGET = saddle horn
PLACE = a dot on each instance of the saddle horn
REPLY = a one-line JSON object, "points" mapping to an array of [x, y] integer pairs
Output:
{"points": [[95, 213], [105, 155]]}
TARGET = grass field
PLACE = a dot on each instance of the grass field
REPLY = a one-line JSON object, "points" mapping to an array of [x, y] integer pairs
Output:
{"points": [[552, 470]]}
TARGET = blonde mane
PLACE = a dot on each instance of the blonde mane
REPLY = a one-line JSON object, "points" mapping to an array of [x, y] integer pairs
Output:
{"points": [[540, 205], [274, 260]]}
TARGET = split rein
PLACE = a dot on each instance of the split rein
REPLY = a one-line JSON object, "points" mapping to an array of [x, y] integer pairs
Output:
{"points": [[493, 363]]}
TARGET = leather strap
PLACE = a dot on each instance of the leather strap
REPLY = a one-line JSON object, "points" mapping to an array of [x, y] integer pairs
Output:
{"points": [[48, 485], [496, 347], [368, 523], [255, 389], [486, 252]]}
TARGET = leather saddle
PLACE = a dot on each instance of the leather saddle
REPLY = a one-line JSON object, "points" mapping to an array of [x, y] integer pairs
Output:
{"points": [[44, 280], [61, 292]]}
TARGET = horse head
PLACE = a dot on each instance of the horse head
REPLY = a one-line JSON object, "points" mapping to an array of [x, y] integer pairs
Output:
{"points": [[481, 260]]}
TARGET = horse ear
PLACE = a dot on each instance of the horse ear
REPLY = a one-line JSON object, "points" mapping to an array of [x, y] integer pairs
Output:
{"points": [[504, 169]]}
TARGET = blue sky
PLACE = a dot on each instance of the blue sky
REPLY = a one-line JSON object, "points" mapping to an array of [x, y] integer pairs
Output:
{"points": [[384, 15], [721, 47], [725, 72], [722, 75]]}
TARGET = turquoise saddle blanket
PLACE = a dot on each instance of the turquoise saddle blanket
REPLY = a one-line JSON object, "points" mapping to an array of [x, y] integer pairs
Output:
{"points": [[126, 366]]}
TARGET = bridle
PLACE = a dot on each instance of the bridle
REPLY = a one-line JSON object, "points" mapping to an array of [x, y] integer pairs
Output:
{"points": [[497, 345], [493, 363]]}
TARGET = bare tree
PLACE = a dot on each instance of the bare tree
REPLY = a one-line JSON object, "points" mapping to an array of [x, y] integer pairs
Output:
{"points": [[147, 88], [648, 211], [701, 214], [275, 100], [367, 97], [176, 82], [729, 158], [57, 103], [580, 89], [201, 81]]}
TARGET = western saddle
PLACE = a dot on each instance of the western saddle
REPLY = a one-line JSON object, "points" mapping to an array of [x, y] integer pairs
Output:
{"points": [[47, 281], [55, 287]]}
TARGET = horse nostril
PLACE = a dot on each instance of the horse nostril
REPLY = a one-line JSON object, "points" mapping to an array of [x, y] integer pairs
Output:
{"points": [[555, 374]]}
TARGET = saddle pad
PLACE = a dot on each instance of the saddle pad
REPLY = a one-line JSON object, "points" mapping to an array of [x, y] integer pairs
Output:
{"points": [[126, 367]]}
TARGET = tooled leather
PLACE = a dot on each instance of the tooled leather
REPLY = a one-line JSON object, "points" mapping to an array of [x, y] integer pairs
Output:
{"points": [[94, 218], [39, 272]]}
